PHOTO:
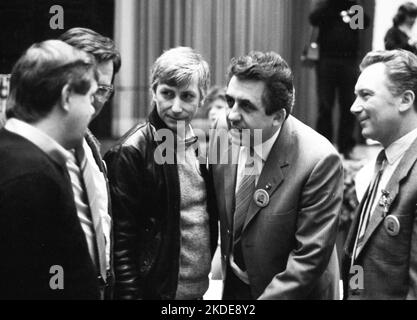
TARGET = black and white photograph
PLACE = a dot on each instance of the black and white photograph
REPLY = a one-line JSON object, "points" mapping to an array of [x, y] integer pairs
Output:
{"points": [[208, 153]]}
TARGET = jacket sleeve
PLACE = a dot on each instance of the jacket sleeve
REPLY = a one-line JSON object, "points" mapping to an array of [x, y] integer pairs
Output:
{"points": [[124, 173], [315, 235]]}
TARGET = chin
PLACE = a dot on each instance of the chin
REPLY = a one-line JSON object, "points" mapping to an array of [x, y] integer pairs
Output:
{"points": [[235, 138]]}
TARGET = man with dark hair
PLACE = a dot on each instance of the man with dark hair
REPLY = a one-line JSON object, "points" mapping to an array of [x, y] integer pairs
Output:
{"points": [[44, 253], [107, 56], [95, 193], [280, 192], [381, 248]]}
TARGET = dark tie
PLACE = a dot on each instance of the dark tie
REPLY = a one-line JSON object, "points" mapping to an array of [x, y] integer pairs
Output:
{"points": [[243, 198], [368, 203]]}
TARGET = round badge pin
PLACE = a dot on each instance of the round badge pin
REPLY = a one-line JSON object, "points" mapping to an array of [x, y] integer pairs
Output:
{"points": [[392, 225], [261, 198]]}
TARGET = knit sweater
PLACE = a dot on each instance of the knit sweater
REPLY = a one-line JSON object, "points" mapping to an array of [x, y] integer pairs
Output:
{"points": [[195, 257]]}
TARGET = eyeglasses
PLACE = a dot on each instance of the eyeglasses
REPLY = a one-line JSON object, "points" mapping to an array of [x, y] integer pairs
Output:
{"points": [[103, 93]]}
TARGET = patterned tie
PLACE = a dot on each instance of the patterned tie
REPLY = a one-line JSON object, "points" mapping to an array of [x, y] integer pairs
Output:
{"points": [[243, 198], [368, 204]]}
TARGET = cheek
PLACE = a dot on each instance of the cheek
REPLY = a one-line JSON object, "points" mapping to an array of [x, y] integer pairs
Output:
{"points": [[192, 108]]}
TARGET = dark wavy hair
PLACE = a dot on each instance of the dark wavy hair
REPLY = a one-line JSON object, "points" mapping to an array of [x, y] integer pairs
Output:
{"points": [[102, 48], [271, 68], [407, 9]]}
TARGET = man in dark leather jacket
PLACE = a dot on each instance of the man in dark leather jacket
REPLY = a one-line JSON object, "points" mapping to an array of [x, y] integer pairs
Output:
{"points": [[165, 216]]}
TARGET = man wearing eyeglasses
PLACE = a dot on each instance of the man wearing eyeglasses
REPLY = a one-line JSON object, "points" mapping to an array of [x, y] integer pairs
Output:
{"points": [[87, 169]]}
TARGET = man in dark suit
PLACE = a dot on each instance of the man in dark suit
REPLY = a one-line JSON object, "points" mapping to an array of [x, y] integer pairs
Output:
{"points": [[44, 252], [278, 187], [381, 248], [108, 64]]}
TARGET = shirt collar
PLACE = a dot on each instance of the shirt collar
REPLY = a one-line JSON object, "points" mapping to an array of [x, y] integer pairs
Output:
{"points": [[44, 142], [396, 149], [263, 150]]}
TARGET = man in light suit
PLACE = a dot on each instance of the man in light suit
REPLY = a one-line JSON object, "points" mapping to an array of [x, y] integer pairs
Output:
{"points": [[381, 248], [279, 191]]}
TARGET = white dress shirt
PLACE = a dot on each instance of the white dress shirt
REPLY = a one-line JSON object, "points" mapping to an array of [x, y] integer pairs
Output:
{"points": [[394, 153]]}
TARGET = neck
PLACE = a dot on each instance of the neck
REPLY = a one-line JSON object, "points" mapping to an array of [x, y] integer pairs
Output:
{"points": [[407, 125], [50, 127]]}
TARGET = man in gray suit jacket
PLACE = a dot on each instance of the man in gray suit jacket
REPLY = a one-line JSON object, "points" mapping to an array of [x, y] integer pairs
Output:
{"points": [[278, 188], [381, 248]]}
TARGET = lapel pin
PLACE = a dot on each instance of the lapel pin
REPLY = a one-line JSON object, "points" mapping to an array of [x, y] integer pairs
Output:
{"points": [[261, 198], [392, 225], [385, 201]]}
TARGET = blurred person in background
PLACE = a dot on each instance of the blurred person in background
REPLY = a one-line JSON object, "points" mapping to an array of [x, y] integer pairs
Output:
{"points": [[215, 104], [400, 35], [336, 69]]}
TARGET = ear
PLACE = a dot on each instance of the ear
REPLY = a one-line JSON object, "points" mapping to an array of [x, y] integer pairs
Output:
{"points": [[407, 100], [153, 91], [279, 117], [65, 98]]}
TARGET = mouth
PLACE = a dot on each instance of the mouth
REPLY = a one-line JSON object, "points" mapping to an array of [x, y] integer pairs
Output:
{"points": [[363, 120], [175, 118]]}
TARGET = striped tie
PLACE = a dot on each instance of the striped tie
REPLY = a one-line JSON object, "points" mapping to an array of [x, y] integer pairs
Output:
{"points": [[368, 204], [243, 198], [88, 172]]}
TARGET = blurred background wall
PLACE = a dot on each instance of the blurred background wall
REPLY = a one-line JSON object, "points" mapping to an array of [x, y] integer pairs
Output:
{"points": [[143, 29]]}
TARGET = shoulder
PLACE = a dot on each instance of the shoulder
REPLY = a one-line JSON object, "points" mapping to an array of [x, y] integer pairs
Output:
{"points": [[20, 157], [309, 141], [132, 148]]}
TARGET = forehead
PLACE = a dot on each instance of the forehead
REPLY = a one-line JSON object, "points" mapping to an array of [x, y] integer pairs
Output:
{"points": [[373, 77], [105, 72], [191, 86], [245, 89]]}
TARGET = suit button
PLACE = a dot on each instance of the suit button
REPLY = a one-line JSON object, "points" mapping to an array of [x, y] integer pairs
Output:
{"points": [[229, 232]]}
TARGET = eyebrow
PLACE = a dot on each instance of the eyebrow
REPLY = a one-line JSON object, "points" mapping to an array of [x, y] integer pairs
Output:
{"points": [[362, 90], [247, 103]]}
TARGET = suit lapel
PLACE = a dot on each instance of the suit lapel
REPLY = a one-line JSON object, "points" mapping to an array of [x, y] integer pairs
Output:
{"points": [[272, 174], [392, 189]]}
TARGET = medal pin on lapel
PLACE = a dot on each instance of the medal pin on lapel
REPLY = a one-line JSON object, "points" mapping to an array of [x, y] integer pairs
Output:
{"points": [[261, 198], [392, 225]]}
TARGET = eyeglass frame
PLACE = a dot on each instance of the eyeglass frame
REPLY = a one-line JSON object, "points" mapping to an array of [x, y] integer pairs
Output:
{"points": [[105, 97]]}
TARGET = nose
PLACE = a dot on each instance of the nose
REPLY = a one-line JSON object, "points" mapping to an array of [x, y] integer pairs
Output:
{"points": [[176, 105], [356, 106], [234, 115]]}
